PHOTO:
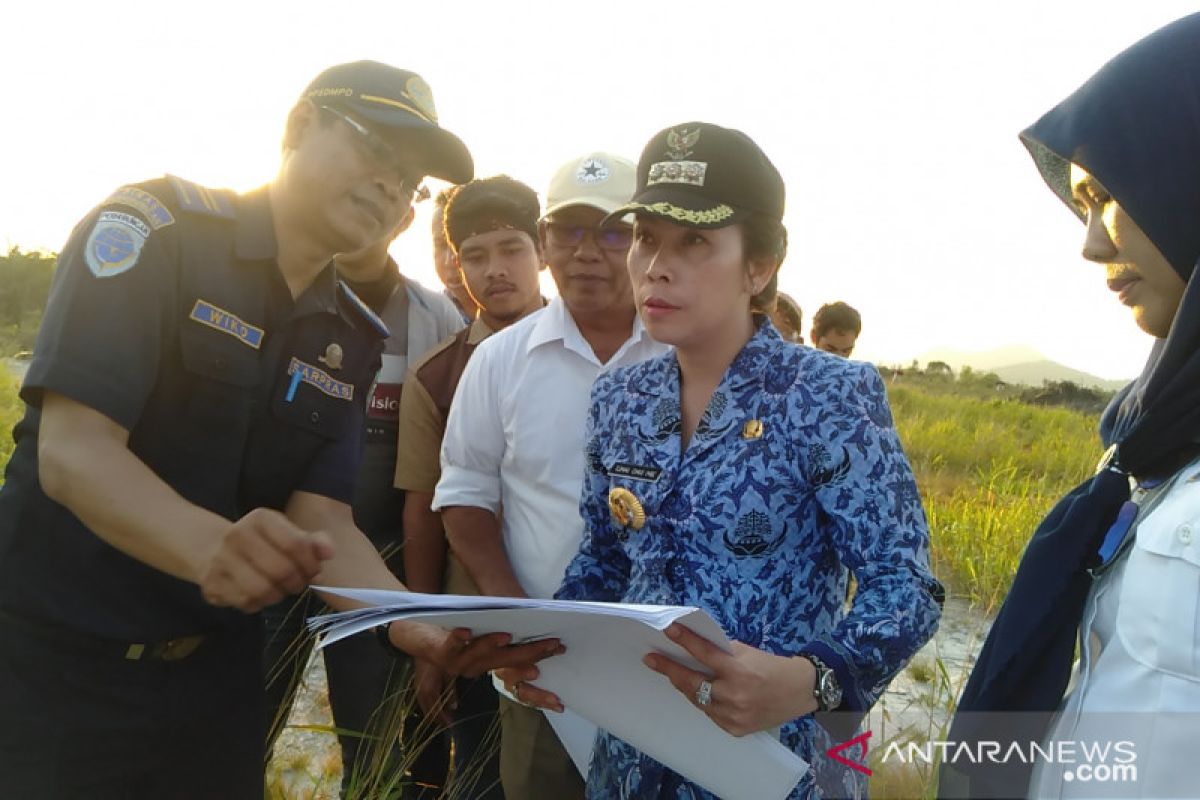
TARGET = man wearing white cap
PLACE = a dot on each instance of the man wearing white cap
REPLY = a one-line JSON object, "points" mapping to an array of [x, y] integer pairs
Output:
{"points": [[515, 435]]}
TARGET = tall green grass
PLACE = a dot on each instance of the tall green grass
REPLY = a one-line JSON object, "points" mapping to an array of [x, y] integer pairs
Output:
{"points": [[988, 471], [11, 410]]}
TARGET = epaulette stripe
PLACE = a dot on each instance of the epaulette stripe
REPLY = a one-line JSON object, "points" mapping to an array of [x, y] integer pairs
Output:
{"points": [[206, 198], [181, 189], [201, 200]]}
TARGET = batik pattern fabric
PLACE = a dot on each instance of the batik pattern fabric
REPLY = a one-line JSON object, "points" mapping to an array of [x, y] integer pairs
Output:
{"points": [[761, 528]]}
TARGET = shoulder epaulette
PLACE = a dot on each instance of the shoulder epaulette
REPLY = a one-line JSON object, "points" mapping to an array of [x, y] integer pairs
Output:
{"points": [[201, 200], [352, 300]]}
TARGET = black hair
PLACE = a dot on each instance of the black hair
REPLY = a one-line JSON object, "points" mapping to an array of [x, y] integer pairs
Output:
{"points": [[488, 204], [764, 237], [836, 316]]}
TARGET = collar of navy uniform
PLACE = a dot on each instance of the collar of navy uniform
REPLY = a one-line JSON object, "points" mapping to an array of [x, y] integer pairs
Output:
{"points": [[321, 295], [254, 240]]}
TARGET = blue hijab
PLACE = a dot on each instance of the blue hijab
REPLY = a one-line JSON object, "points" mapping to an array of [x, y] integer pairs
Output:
{"points": [[1135, 126]]}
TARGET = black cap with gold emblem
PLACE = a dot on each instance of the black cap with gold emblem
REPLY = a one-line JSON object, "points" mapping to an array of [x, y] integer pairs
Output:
{"points": [[704, 176], [397, 99]]}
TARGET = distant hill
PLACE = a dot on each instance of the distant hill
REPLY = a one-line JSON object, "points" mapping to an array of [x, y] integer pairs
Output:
{"points": [[1034, 373], [1019, 364]]}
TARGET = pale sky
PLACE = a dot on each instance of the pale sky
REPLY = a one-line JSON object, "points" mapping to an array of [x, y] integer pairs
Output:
{"points": [[894, 125]]}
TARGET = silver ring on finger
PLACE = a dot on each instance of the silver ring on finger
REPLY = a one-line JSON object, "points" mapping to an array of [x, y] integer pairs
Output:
{"points": [[704, 694]]}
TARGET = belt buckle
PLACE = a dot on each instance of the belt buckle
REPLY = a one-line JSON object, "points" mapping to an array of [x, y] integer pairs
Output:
{"points": [[181, 648], [170, 650]]}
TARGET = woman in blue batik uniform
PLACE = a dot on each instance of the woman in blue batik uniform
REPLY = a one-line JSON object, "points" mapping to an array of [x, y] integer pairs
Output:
{"points": [[746, 476]]}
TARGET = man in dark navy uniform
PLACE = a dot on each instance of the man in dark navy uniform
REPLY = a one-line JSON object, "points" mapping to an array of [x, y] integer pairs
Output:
{"points": [[193, 426]]}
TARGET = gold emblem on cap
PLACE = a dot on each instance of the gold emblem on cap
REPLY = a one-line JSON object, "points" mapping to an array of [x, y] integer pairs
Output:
{"points": [[752, 429], [626, 508], [420, 93], [333, 356], [680, 143]]}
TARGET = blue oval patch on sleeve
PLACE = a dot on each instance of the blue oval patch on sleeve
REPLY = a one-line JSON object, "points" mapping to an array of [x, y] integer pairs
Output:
{"points": [[115, 243]]}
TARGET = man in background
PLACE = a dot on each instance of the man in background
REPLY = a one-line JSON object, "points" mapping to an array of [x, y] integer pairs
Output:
{"points": [[835, 328], [445, 263], [491, 225], [515, 434], [787, 318]]}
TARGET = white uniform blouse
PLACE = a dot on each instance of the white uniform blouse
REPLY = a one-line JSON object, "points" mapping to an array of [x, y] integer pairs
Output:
{"points": [[1136, 687]]}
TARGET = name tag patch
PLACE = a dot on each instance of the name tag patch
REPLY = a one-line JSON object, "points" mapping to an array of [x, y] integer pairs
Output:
{"points": [[206, 313], [314, 376], [635, 472]]}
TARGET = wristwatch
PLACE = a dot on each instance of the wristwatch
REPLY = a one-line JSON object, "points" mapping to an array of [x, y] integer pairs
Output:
{"points": [[827, 690]]}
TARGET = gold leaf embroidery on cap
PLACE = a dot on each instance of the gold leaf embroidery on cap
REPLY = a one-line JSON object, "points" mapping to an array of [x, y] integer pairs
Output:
{"points": [[707, 217]]}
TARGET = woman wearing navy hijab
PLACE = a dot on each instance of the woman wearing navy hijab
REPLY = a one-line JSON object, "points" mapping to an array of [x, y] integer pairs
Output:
{"points": [[1116, 564]]}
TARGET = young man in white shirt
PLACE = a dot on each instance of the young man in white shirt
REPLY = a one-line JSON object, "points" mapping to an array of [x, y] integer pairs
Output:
{"points": [[515, 435]]}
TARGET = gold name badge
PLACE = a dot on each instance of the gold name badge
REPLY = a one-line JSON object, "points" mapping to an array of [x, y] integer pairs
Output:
{"points": [[626, 508]]}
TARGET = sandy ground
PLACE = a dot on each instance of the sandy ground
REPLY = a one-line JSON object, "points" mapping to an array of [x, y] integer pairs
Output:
{"points": [[308, 763]]}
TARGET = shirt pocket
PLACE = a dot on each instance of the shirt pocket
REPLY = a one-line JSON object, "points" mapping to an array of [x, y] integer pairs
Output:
{"points": [[222, 377], [316, 411], [1157, 616]]}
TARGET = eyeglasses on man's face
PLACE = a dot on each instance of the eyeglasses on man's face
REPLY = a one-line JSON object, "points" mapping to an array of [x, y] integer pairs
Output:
{"points": [[380, 151], [611, 237]]}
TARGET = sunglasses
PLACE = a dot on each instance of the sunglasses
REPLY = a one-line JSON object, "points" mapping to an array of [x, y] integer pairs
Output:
{"points": [[383, 154], [615, 238]]}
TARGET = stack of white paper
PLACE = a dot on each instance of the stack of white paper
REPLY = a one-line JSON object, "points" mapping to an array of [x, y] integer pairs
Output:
{"points": [[602, 678]]}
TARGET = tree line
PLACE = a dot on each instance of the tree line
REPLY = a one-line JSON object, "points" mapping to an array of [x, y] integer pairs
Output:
{"points": [[24, 288]]}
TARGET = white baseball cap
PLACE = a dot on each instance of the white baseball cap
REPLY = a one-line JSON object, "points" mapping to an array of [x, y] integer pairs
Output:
{"points": [[601, 180]]}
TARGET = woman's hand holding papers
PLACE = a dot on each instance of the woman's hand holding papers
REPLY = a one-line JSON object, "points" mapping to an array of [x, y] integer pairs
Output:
{"points": [[749, 690], [516, 683]]}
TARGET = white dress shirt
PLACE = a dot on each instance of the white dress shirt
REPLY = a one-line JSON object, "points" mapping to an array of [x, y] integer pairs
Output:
{"points": [[515, 437], [1138, 678]]}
